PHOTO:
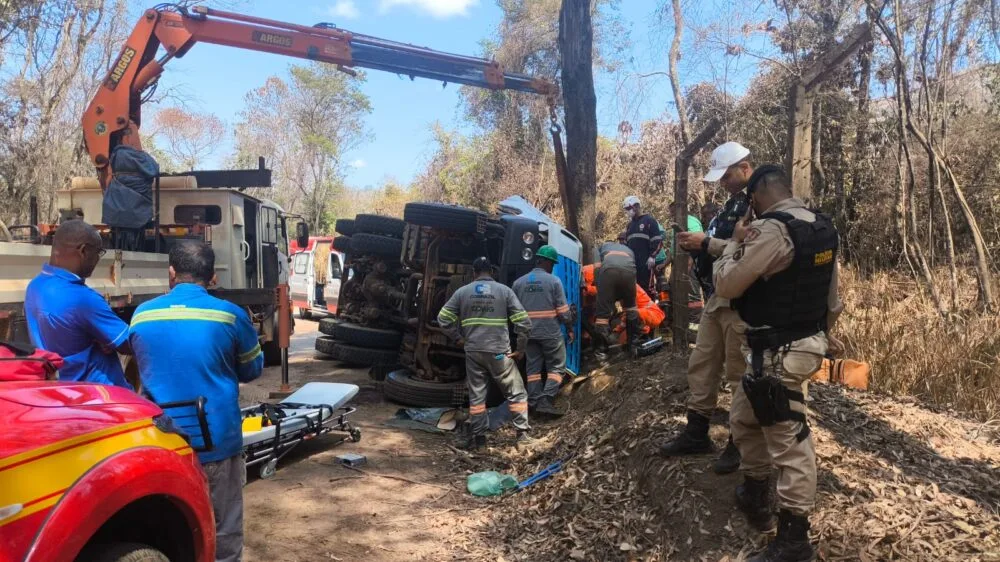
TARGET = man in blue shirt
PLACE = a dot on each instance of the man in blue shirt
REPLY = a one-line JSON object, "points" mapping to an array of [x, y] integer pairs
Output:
{"points": [[69, 318], [190, 344]]}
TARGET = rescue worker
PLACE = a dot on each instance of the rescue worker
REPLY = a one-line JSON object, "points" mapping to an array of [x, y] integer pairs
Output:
{"points": [[476, 316], [67, 317], [644, 238], [720, 330], [544, 298], [616, 282], [190, 344], [781, 272]]}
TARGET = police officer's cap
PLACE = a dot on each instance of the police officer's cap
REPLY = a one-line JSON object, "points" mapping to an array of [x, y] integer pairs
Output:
{"points": [[481, 264], [762, 171]]}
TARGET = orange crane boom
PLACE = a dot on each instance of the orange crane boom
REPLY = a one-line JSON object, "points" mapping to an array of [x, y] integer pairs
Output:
{"points": [[115, 113]]}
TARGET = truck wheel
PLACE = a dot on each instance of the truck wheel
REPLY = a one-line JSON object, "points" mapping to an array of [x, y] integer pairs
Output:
{"points": [[364, 356], [123, 552], [326, 326], [305, 313], [326, 344], [378, 224], [354, 334], [401, 387], [342, 244], [272, 353], [344, 226], [374, 244], [445, 217]]}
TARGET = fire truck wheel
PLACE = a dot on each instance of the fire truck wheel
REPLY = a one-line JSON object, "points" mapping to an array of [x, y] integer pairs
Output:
{"points": [[326, 326], [123, 552], [354, 334], [378, 224], [403, 388], [342, 244], [445, 217], [364, 356], [344, 226], [326, 345], [374, 244]]}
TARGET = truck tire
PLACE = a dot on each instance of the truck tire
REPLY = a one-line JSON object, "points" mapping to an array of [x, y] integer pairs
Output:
{"points": [[342, 244], [326, 326], [326, 345], [272, 353], [364, 356], [374, 244], [354, 334], [403, 388], [378, 224], [445, 217], [123, 552], [344, 226]]}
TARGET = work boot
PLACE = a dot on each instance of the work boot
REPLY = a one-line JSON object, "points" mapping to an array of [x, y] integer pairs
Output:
{"points": [[472, 443], [753, 497], [545, 407], [603, 333], [525, 441], [729, 461], [633, 329], [792, 542], [692, 441]]}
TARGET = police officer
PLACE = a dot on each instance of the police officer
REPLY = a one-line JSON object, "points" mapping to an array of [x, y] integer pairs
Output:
{"points": [[476, 316], [615, 279], [644, 238], [781, 271], [720, 330], [544, 299]]}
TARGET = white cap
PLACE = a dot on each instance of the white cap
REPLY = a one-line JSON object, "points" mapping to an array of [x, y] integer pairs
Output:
{"points": [[629, 201], [724, 156]]}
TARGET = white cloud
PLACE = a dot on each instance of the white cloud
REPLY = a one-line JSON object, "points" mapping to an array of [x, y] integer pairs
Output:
{"points": [[436, 8], [345, 9], [359, 163]]}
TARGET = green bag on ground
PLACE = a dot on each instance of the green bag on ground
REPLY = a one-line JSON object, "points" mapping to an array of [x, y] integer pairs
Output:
{"points": [[490, 483]]}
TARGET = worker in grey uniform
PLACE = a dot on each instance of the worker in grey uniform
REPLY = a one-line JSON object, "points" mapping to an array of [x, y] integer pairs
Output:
{"points": [[544, 298], [476, 316], [615, 280]]}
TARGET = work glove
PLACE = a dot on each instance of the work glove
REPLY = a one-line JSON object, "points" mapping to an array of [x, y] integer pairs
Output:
{"points": [[650, 263]]}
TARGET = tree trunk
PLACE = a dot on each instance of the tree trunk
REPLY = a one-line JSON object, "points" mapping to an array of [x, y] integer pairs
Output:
{"points": [[675, 83], [859, 175], [576, 38]]}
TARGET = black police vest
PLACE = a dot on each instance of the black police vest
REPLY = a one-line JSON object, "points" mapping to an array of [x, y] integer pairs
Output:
{"points": [[722, 228], [794, 301]]}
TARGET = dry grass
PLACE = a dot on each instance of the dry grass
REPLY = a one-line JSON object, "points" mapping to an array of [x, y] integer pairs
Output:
{"points": [[952, 363]]}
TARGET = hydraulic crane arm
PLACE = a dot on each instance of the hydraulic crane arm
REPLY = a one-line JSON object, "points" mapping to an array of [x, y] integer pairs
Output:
{"points": [[115, 111]]}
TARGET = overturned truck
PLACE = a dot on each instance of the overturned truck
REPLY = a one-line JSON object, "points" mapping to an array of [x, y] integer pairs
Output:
{"points": [[399, 273]]}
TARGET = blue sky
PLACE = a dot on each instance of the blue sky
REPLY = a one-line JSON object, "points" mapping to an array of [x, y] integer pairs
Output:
{"points": [[215, 79]]}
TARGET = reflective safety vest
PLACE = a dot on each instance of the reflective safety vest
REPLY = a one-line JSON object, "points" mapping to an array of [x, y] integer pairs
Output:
{"points": [[544, 298], [479, 313]]}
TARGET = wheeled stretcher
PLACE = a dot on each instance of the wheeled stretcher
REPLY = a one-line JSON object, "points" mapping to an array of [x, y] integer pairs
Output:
{"points": [[271, 431]]}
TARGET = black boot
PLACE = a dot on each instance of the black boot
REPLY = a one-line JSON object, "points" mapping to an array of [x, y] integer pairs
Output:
{"points": [[692, 441], [633, 329], [753, 497], [545, 407], [792, 542], [472, 443], [729, 460]]}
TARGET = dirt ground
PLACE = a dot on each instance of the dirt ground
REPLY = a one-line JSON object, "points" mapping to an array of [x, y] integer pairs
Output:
{"points": [[896, 482], [400, 506]]}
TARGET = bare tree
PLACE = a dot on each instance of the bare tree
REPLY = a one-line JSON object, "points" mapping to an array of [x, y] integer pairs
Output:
{"points": [[189, 138]]}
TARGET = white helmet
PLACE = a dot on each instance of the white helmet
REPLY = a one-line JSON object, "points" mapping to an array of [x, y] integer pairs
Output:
{"points": [[724, 156], [630, 201]]}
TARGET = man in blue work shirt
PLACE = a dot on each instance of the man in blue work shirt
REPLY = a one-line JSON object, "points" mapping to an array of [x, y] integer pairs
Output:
{"points": [[190, 344], [69, 318]]}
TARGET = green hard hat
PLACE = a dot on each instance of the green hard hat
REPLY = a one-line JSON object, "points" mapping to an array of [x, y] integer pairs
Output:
{"points": [[549, 253]]}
